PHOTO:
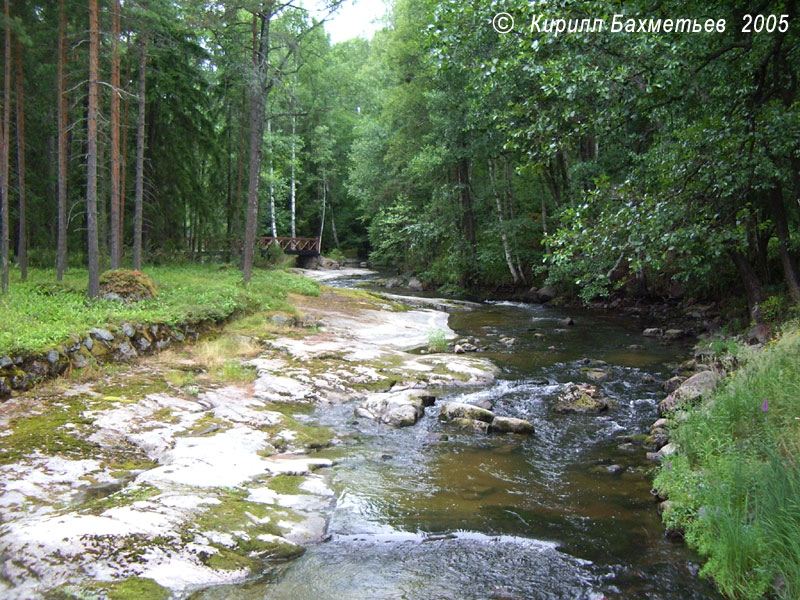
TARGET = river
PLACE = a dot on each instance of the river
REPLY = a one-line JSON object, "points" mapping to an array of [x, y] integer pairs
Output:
{"points": [[430, 513]]}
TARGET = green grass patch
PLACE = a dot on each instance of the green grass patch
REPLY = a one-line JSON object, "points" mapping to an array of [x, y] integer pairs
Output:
{"points": [[133, 588], [39, 313], [287, 484], [233, 371], [437, 341], [735, 485]]}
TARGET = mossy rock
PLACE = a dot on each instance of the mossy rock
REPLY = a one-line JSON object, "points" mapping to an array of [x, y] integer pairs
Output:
{"points": [[127, 286]]}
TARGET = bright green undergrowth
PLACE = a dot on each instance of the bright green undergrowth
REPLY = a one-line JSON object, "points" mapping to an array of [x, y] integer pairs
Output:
{"points": [[39, 313], [735, 485]]}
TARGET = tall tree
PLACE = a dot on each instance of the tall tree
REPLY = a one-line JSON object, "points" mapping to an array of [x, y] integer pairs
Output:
{"points": [[4, 150], [61, 261], [116, 234], [91, 152], [140, 142], [22, 239]]}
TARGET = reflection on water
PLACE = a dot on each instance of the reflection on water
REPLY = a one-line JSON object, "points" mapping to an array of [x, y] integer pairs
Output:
{"points": [[427, 512]]}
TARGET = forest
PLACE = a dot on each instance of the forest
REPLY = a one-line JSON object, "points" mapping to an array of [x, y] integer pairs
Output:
{"points": [[653, 164]]}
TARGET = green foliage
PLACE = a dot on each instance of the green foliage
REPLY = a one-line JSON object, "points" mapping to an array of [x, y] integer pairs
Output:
{"points": [[775, 308], [437, 341], [32, 321], [336, 255], [734, 485]]}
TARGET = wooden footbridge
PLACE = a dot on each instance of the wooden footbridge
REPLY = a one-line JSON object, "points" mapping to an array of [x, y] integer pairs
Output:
{"points": [[296, 245]]}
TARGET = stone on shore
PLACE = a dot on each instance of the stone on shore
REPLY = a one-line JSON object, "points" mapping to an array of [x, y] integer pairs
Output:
{"points": [[698, 385]]}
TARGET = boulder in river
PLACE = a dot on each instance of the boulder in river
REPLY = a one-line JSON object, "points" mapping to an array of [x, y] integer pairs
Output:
{"points": [[582, 399], [653, 332], [399, 409], [461, 410], [470, 424], [511, 425]]}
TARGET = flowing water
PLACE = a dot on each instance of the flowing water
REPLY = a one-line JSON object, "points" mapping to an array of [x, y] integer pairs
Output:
{"points": [[428, 513]]}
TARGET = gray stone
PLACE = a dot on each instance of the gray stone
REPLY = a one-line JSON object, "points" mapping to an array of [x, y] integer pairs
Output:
{"points": [[653, 332], [484, 403], [101, 334], [161, 344], [568, 321], [53, 356], [399, 409], [125, 352], [697, 386], [414, 284], [128, 330], [142, 343], [659, 423], [5, 389], [675, 334], [19, 381], [546, 293], [581, 399], [672, 384], [470, 424], [5, 362], [113, 297], [79, 361], [511, 425], [89, 343], [282, 320], [460, 410]]}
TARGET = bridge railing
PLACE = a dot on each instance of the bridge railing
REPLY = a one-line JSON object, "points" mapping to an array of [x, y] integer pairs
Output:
{"points": [[296, 245]]}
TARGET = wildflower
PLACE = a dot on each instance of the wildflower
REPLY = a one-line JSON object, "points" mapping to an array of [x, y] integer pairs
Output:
{"points": [[765, 406], [669, 466]]}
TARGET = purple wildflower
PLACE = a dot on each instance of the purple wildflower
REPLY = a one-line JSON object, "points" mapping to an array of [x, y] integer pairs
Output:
{"points": [[669, 466], [765, 406]]}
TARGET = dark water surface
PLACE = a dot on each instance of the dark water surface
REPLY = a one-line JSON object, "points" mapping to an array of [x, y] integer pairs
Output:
{"points": [[504, 517]]}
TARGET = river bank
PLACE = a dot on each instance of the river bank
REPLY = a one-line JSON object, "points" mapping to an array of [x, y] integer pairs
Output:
{"points": [[165, 471]]}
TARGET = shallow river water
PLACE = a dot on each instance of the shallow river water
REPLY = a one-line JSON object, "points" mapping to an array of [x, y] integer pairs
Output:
{"points": [[429, 513]]}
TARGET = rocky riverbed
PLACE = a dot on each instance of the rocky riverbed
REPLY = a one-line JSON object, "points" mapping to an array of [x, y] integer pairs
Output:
{"points": [[165, 472]]}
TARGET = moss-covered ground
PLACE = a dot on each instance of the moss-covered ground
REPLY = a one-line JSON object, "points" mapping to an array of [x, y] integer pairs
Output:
{"points": [[38, 313]]}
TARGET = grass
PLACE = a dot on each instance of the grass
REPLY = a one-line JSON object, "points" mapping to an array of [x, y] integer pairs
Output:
{"points": [[437, 341], [734, 487], [40, 313]]}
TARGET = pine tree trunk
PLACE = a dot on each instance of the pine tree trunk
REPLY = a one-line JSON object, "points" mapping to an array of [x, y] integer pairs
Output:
{"points": [[4, 150], [116, 252], [22, 243], [61, 261], [257, 104], [123, 176], [138, 208], [91, 169]]}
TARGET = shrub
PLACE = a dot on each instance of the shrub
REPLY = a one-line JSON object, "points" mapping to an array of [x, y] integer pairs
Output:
{"points": [[437, 342]]}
